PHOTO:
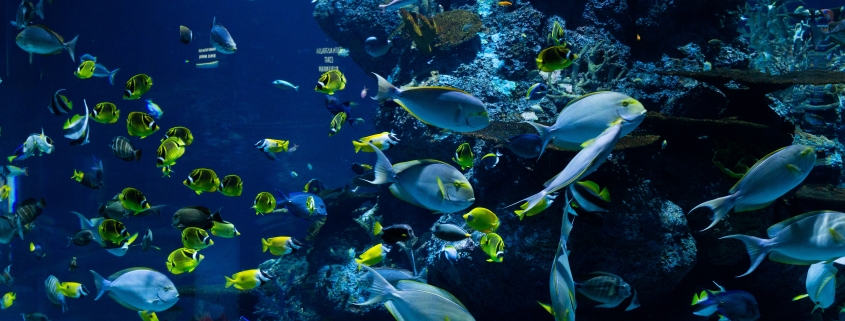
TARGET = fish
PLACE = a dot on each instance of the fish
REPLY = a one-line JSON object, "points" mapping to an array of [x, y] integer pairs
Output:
{"points": [[337, 123], [195, 216], [492, 244], [280, 245], [92, 179], [141, 289], [561, 283], [821, 285], [59, 104], [221, 39], [147, 242], [443, 107], [372, 256], [767, 180], [272, 146], [232, 185], [804, 239], [734, 305], [202, 180], [77, 128], [504, 3], [524, 145], [392, 275], [361, 169], [88, 57], [285, 85], [37, 250], [183, 260], [140, 124], [40, 142], [451, 253], [297, 204], [334, 106], [482, 219], [293, 148], [224, 229], [180, 132], [38, 39], [81, 238], [376, 48], [555, 58], [464, 156], [536, 92], [608, 289], [148, 316], [377, 228], [73, 265], [426, 183], [133, 200], [35, 316], [54, 293], [185, 35], [26, 11], [9, 227], [583, 164], [136, 86], [73, 290], [586, 196], [7, 300], [123, 148], [196, 238], [113, 231], [167, 153], [396, 4], [101, 71], [314, 186], [154, 109], [663, 145], [397, 233], [85, 69], [364, 92], [293, 174], [556, 37], [330, 82], [411, 300], [449, 232], [490, 160], [264, 203], [6, 278], [9, 171], [586, 117], [28, 210], [249, 279], [105, 113], [113, 209], [343, 52]]}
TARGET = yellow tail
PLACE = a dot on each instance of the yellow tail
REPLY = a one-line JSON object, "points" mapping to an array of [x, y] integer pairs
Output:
{"points": [[358, 145], [229, 281], [265, 244]]}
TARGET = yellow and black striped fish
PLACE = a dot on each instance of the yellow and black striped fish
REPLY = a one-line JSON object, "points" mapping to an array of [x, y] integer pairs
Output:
{"points": [[337, 123], [140, 124], [105, 113], [331, 81], [181, 132], [137, 86], [168, 152], [231, 185], [113, 231], [202, 180]]}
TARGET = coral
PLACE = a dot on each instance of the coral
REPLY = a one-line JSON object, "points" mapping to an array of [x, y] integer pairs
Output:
{"points": [[419, 28], [455, 27]]}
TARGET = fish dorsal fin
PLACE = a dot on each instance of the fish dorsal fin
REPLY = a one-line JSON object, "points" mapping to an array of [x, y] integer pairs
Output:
{"points": [[775, 229], [399, 167], [750, 170], [58, 37], [435, 88], [122, 272], [408, 285], [837, 237], [442, 189], [582, 97]]}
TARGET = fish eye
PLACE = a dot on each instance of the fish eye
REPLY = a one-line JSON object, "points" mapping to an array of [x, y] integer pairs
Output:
{"points": [[624, 104]]}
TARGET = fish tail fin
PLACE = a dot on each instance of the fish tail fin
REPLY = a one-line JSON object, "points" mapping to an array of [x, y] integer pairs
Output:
{"points": [[383, 169], [229, 281], [296, 88], [358, 145], [386, 90], [545, 133], [720, 206], [547, 307], [265, 244], [757, 249], [138, 155], [71, 46], [39, 9], [380, 290], [101, 283], [69, 239], [111, 75]]}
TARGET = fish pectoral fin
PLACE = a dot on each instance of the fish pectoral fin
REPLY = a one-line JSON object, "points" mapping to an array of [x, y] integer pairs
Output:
{"points": [[836, 236], [794, 170], [442, 189]]}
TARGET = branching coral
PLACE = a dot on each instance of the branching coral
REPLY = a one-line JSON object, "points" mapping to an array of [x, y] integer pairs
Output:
{"points": [[455, 27], [420, 29]]}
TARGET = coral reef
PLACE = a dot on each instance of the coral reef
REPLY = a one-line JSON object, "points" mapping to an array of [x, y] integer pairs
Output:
{"points": [[455, 27]]}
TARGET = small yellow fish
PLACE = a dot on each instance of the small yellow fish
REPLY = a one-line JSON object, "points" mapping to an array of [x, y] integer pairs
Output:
{"points": [[168, 152], [202, 180], [264, 203], [196, 238], [73, 290], [493, 245], [331, 81], [140, 124], [113, 231], [272, 146], [482, 219], [231, 185], [148, 316], [85, 70], [105, 113], [464, 156], [5, 190], [372, 256], [182, 132], [137, 86], [224, 229], [280, 245], [555, 58], [183, 260], [249, 279], [337, 123], [381, 141], [377, 228], [7, 300]]}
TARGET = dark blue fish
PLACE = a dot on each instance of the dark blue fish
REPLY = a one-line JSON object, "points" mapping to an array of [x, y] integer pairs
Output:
{"points": [[536, 92], [524, 145], [296, 204], [734, 305], [334, 106]]}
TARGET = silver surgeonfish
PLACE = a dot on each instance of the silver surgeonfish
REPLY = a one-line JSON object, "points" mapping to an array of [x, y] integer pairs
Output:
{"points": [[608, 289], [821, 285], [587, 116], [38, 39], [771, 177], [221, 39], [561, 283], [426, 183], [444, 107], [805, 239], [411, 300], [584, 163], [140, 289]]}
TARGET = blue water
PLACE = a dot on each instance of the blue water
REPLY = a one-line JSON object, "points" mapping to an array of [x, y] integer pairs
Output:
{"points": [[228, 109]]}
